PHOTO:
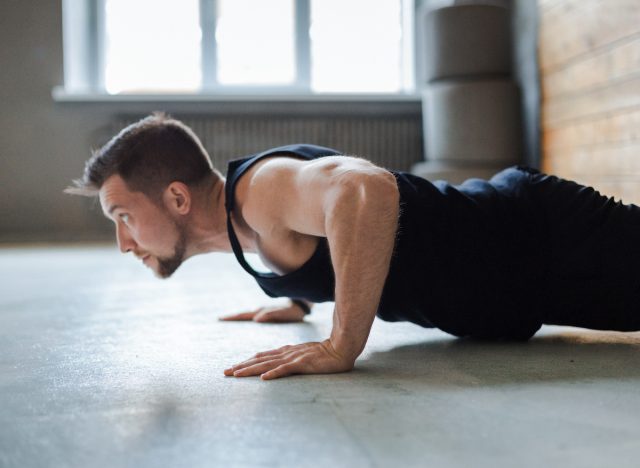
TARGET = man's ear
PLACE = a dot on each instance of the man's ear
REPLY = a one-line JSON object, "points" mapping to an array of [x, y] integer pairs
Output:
{"points": [[177, 198]]}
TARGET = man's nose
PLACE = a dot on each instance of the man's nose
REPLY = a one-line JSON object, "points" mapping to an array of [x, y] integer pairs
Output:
{"points": [[125, 241]]}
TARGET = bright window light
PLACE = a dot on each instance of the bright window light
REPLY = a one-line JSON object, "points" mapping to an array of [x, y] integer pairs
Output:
{"points": [[356, 46], [255, 42], [156, 46], [152, 46]]}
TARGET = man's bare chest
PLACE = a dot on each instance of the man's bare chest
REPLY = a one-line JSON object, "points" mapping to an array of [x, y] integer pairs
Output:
{"points": [[280, 249]]}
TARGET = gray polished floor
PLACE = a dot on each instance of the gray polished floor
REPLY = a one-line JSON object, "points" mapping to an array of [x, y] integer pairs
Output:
{"points": [[103, 365]]}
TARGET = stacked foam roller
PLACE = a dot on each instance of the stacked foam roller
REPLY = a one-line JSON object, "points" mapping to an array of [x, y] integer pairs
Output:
{"points": [[471, 105]]}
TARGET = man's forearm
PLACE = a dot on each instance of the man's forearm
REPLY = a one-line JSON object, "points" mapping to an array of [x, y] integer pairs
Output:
{"points": [[361, 230]]}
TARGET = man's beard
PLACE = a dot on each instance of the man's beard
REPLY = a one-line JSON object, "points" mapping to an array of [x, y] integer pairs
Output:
{"points": [[168, 265]]}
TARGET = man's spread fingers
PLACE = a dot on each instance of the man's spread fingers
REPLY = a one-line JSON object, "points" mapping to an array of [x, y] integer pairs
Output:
{"points": [[280, 353], [258, 368], [278, 315], [267, 353], [240, 316], [273, 351], [251, 362], [281, 371], [256, 360]]}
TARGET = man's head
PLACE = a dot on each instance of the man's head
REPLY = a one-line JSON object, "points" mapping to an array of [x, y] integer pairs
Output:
{"points": [[148, 178]]}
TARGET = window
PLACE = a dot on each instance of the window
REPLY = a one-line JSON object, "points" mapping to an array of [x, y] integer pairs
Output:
{"points": [[255, 48], [356, 45], [238, 46], [151, 52]]}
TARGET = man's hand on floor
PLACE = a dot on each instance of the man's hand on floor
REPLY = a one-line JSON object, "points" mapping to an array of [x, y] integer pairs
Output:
{"points": [[305, 358], [291, 313]]}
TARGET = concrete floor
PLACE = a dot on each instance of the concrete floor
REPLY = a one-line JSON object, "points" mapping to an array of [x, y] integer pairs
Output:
{"points": [[103, 365]]}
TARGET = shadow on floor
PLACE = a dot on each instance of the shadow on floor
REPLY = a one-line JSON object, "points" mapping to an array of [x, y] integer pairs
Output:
{"points": [[556, 357]]}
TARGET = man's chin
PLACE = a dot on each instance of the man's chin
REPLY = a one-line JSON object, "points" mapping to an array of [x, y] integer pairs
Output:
{"points": [[163, 275], [166, 269], [160, 275]]}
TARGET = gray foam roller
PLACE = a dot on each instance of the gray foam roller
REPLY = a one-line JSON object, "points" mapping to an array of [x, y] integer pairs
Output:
{"points": [[465, 41], [472, 121]]}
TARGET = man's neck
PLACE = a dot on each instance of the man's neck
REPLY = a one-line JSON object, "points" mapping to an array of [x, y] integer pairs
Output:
{"points": [[208, 227]]}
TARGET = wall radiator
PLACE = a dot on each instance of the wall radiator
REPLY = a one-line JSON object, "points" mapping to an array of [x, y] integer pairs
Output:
{"points": [[393, 142]]}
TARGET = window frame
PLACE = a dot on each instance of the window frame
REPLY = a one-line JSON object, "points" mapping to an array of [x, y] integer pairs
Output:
{"points": [[302, 44], [84, 54]]}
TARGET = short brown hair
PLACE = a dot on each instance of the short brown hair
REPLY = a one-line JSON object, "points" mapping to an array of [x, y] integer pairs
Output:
{"points": [[148, 155]]}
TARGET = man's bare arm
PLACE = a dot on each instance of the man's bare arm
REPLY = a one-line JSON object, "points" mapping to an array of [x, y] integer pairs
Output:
{"points": [[359, 217], [361, 230]]}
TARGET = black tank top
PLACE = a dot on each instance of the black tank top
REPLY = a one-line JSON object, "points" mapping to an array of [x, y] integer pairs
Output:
{"points": [[455, 264], [315, 279]]}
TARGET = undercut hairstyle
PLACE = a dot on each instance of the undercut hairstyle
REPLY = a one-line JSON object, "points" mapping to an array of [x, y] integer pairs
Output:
{"points": [[149, 155]]}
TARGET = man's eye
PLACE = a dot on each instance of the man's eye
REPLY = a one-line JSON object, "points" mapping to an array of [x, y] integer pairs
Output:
{"points": [[124, 218]]}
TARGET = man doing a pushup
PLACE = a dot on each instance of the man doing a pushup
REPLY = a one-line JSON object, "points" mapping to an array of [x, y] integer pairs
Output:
{"points": [[488, 259]]}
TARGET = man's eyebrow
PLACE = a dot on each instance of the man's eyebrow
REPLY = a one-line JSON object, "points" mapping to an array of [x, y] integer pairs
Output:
{"points": [[113, 208]]}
